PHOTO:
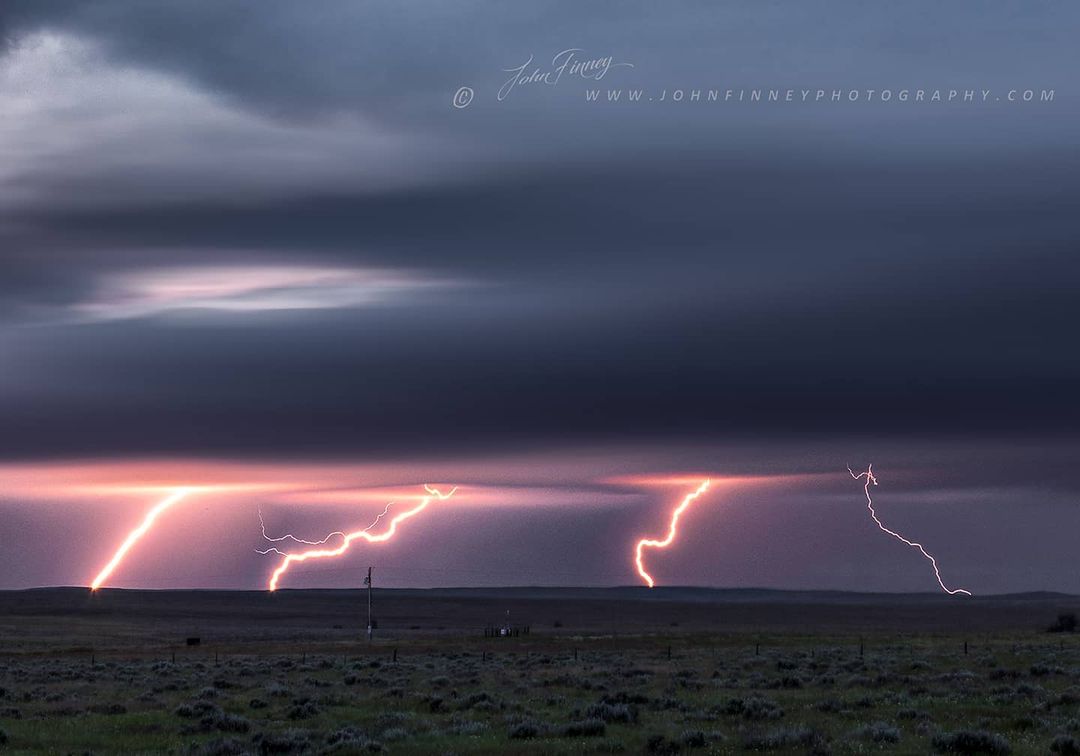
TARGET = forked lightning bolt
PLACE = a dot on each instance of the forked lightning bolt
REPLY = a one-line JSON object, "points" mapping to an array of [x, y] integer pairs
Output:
{"points": [[294, 539], [869, 478], [136, 534], [672, 530], [348, 538]]}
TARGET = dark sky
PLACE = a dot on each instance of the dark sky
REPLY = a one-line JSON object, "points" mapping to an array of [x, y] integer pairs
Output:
{"points": [[263, 232]]}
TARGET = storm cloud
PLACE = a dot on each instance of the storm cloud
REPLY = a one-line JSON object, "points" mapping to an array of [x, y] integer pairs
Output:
{"points": [[575, 271]]}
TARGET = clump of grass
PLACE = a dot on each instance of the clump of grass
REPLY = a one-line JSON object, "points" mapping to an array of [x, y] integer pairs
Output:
{"points": [[585, 728], [879, 732], [829, 706], [302, 708], [609, 745], [912, 714], [693, 739], [524, 730], [466, 727], [1029, 691], [482, 701], [638, 699], [1066, 745], [1027, 723], [971, 741], [394, 718], [277, 690], [226, 747], [754, 708], [1067, 698], [198, 709], [611, 713], [395, 733], [225, 722], [352, 748], [289, 741], [785, 738], [659, 744], [346, 738]]}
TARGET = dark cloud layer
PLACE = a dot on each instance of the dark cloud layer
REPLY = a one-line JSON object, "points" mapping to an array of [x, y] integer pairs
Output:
{"points": [[627, 275]]}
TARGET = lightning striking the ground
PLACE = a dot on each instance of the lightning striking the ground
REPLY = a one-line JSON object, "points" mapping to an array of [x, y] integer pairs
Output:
{"points": [[136, 534], [347, 538], [672, 530], [871, 479]]}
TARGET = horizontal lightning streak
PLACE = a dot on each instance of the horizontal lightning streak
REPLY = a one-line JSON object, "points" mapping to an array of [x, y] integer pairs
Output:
{"points": [[870, 478], [672, 530], [294, 539], [348, 538]]}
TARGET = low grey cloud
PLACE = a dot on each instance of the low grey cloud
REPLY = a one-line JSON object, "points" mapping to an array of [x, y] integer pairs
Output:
{"points": [[536, 271]]}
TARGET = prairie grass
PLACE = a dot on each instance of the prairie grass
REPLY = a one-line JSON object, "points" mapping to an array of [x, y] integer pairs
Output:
{"points": [[716, 694]]}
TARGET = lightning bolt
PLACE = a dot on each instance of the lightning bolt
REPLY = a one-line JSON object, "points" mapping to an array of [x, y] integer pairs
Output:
{"points": [[136, 534], [672, 530], [294, 539], [348, 538], [869, 476]]}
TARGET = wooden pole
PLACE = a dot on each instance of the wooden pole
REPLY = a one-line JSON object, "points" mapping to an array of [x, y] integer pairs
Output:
{"points": [[369, 604]]}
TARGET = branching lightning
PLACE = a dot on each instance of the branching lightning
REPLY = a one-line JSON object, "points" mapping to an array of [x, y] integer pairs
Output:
{"points": [[871, 479], [136, 534], [672, 530], [294, 539], [348, 538]]}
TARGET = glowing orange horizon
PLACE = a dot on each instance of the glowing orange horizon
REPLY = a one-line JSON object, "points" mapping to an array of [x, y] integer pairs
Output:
{"points": [[348, 538], [672, 530], [870, 478], [136, 534]]}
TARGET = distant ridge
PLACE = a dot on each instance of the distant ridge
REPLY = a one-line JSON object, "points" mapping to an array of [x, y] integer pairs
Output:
{"points": [[683, 594]]}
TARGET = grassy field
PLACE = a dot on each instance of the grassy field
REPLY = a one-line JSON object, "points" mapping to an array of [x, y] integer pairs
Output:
{"points": [[105, 676]]}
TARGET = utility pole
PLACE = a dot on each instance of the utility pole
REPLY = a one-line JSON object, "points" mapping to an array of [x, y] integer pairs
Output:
{"points": [[367, 581]]}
